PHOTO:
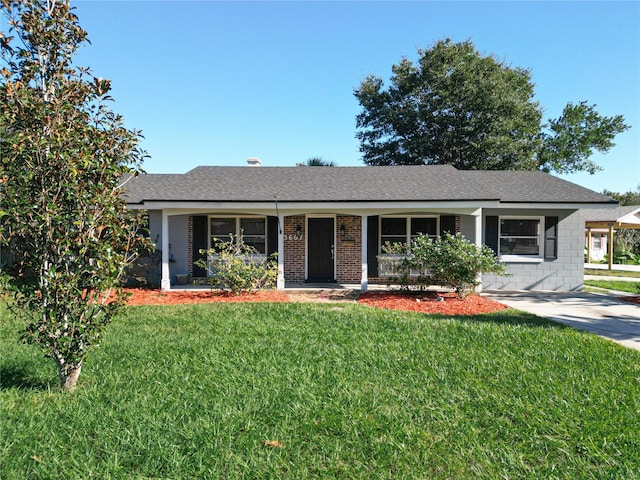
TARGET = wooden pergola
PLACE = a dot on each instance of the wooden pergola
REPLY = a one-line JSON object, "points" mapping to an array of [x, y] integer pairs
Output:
{"points": [[621, 218]]}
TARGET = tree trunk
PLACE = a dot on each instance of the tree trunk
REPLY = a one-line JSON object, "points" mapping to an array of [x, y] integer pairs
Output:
{"points": [[69, 376]]}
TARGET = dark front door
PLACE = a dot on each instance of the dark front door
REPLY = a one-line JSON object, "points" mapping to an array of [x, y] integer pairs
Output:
{"points": [[320, 250]]}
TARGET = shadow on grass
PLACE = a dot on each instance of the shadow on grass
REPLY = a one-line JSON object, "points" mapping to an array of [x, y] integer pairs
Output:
{"points": [[512, 317], [23, 377]]}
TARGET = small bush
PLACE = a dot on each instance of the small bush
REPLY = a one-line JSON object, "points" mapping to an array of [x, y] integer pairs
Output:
{"points": [[145, 271], [449, 260], [397, 265], [237, 267]]}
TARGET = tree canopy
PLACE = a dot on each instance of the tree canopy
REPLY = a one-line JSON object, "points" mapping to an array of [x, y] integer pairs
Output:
{"points": [[458, 107], [627, 198], [316, 162], [63, 158]]}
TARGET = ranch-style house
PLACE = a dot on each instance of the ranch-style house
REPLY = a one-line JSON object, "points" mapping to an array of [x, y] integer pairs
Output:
{"points": [[328, 224]]}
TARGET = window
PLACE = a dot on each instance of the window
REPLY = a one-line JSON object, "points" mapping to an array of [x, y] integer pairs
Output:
{"points": [[403, 229], [393, 230], [251, 230], [424, 226], [597, 241], [520, 236]]}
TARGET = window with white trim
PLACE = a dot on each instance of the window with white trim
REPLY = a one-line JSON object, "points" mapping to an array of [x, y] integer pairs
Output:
{"points": [[597, 241], [403, 229], [521, 236], [251, 230]]}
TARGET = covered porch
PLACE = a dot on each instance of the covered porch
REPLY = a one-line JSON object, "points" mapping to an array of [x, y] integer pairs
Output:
{"points": [[344, 261]]}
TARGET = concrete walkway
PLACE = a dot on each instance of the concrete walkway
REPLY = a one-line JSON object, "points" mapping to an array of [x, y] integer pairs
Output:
{"points": [[599, 313]]}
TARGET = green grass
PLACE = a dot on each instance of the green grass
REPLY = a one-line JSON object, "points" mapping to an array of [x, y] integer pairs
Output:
{"points": [[618, 285], [611, 273], [352, 392]]}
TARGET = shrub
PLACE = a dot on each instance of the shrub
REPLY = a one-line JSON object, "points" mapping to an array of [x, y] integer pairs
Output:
{"points": [[145, 271], [238, 267], [449, 260], [399, 267]]}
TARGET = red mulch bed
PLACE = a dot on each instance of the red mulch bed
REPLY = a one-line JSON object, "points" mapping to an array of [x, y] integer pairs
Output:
{"points": [[435, 303], [144, 296], [635, 300], [424, 302]]}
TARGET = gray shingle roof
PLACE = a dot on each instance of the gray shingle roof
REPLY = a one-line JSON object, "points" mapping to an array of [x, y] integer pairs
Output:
{"points": [[607, 215], [349, 184]]}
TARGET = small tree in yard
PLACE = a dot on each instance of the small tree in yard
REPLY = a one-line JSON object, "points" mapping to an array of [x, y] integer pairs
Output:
{"points": [[238, 267], [63, 158], [449, 260]]}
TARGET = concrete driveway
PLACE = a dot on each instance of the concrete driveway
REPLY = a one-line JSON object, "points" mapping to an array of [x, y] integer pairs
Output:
{"points": [[598, 313]]}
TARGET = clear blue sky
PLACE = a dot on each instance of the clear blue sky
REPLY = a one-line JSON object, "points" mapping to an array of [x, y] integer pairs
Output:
{"points": [[212, 83]]}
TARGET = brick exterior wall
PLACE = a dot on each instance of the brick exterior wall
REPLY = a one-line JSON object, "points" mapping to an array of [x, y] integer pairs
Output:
{"points": [[348, 249], [294, 248]]}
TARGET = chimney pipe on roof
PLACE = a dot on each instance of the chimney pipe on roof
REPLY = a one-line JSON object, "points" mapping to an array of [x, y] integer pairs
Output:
{"points": [[254, 162]]}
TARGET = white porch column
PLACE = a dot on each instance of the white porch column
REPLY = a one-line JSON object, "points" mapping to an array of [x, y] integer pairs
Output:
{"points": [[165, 283], [364, 280], [280, 281], [478, 236]]}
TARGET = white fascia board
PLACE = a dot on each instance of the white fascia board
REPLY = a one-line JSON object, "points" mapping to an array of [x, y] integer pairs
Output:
{"points": [[294, 208], [551, 206]]}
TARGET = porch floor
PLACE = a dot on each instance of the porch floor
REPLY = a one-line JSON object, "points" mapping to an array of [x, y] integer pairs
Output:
{"points": [[306, 292], [330, 289], [297, 287]]}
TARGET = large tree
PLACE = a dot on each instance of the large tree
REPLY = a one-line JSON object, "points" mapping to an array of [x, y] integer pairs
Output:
{"points": [[63, 158], [456, 106]]}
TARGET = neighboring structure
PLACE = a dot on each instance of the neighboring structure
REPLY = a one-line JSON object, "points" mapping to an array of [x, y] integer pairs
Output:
{"points": [[327, 224], [600, 227]]}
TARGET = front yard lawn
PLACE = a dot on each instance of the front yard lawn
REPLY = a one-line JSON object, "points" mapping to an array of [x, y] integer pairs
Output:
{"points": [[289, 390], [617, 285], [611, 273]]}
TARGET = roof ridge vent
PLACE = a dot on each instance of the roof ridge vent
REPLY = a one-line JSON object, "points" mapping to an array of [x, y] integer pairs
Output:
{"points": [[254, 162]]}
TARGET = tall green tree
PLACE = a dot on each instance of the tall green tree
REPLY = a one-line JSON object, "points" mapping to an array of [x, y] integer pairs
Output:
{"points": [[64, 158], [627, 198], [458, 107]]}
